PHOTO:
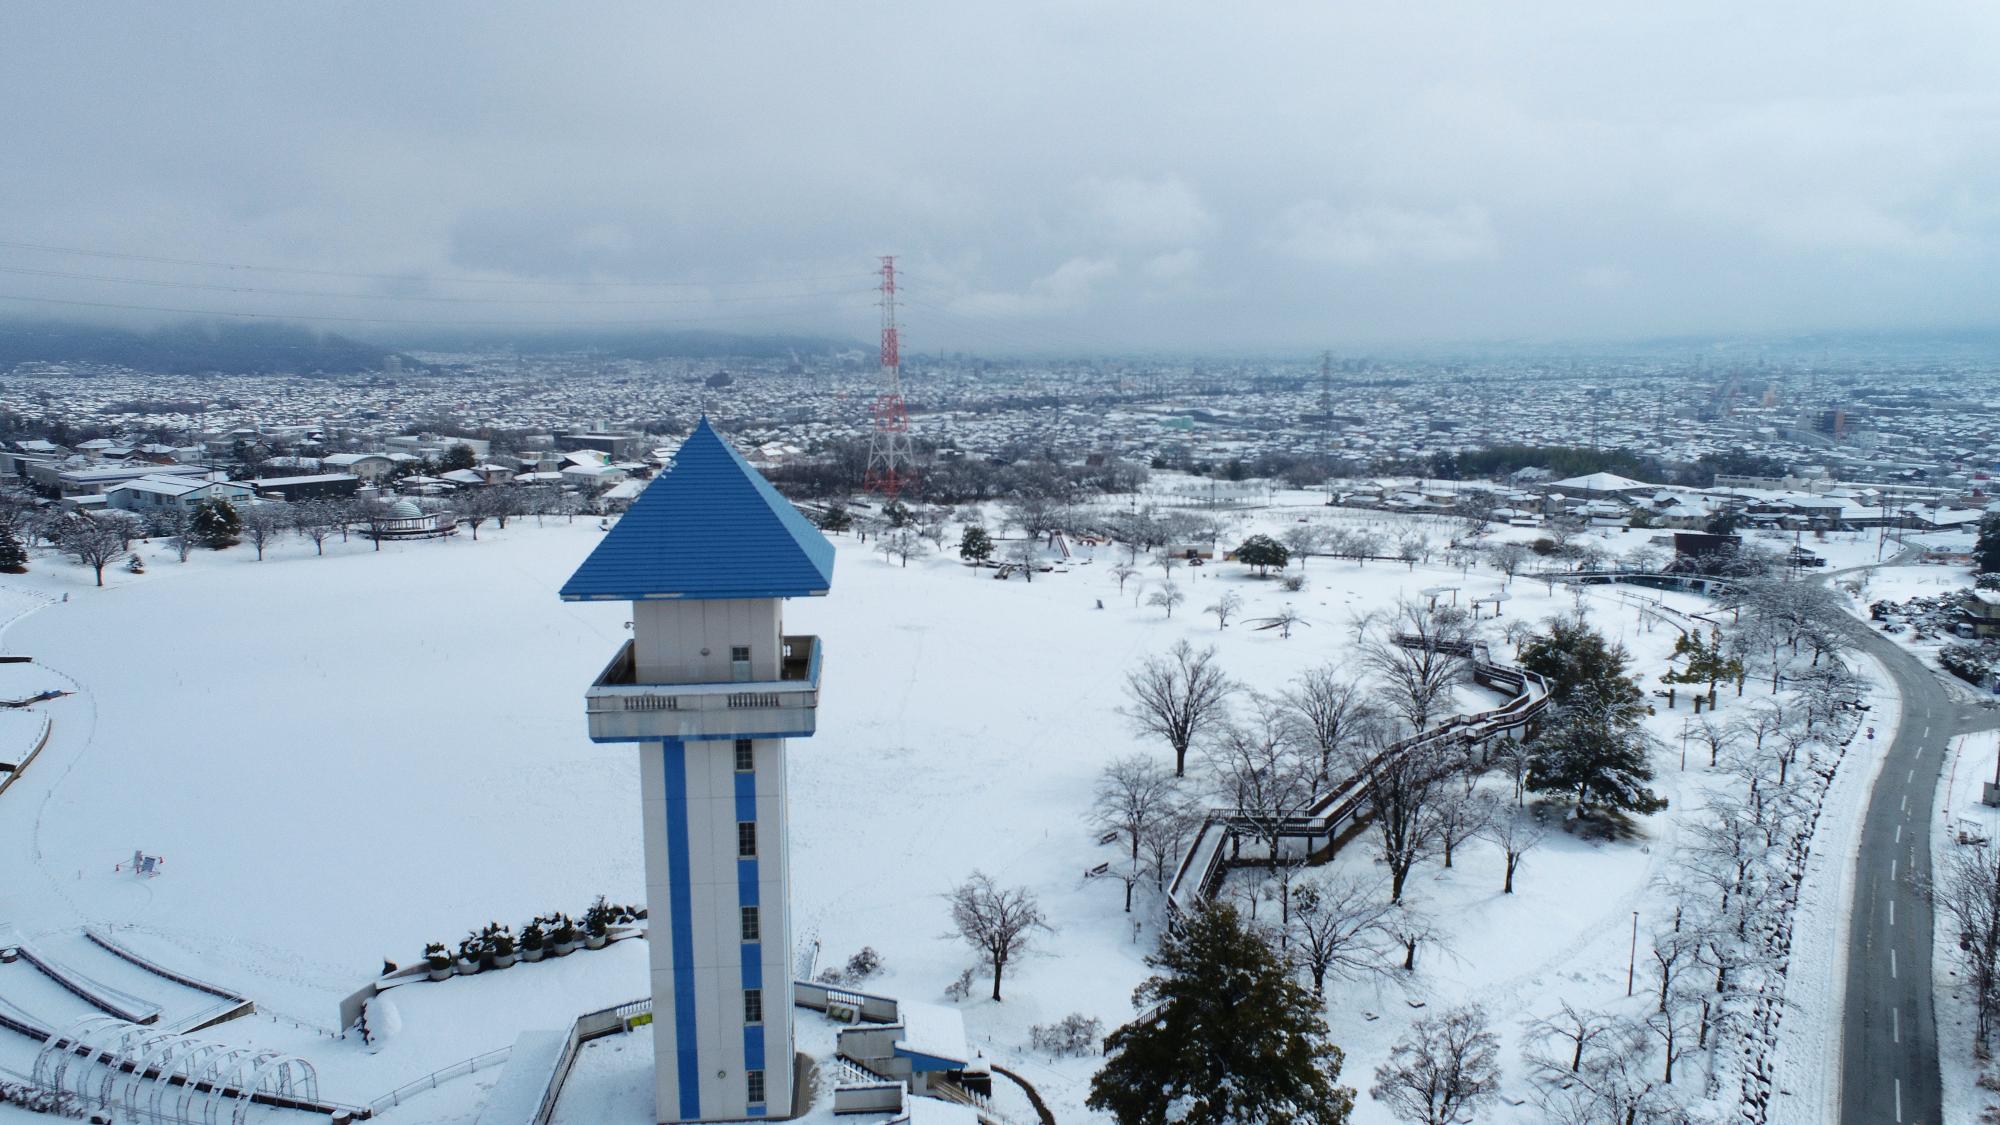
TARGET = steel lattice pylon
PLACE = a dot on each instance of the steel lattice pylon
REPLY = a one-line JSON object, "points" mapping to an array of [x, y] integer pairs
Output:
{"points": [[891, 460]]}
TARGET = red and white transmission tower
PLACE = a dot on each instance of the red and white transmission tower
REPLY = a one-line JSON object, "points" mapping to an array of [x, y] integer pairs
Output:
{"points": [[891, 463]]}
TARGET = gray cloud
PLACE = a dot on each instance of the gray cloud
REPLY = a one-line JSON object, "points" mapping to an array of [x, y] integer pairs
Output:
{"points": [[1106, 173]]}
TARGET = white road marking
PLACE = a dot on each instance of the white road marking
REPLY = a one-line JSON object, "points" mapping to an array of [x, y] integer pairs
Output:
{"points": [[1899, 833], [1927, 732], [1896, 1025], [1909, 777], [1892, 963], [1892, 871], [1899, 1099], [1892, 912], [1906, 802]]}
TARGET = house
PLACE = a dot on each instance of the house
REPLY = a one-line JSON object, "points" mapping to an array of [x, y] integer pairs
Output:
{"points": [[370, 467], [1982, 611], [320, 486], [160, 492], [65, 478], [1600, 486]]}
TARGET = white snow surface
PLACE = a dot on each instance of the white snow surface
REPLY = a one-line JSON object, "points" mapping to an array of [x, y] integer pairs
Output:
{"points": [[1959, 807], [342, 758]]}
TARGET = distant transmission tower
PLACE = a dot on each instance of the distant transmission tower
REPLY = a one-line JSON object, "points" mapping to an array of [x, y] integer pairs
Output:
{"points": [[891, 464]]}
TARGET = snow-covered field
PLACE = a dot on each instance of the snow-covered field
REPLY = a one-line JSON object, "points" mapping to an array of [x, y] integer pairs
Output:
{"points": [[342, 758]]}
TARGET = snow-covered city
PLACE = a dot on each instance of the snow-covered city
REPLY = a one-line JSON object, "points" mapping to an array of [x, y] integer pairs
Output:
{"points": [[616, 572]]}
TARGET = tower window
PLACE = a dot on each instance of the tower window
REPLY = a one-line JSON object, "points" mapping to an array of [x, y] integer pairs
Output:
{"points": [[753, 1081], [746, 759], [739, 663], [746, 838], [753, 927], [753, 1005]]}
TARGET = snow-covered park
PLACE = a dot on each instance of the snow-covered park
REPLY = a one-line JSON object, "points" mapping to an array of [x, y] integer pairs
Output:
{"points": [[342, 758]]}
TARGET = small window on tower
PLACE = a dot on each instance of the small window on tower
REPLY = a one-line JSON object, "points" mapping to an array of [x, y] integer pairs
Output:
{"points": [[753, 1005], [753, 928], [739, 663], [746, 838], [754, 1082], [746, 758]]}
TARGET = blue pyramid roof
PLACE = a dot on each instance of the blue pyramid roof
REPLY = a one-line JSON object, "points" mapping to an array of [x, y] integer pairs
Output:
{"points": [[709, 526]]}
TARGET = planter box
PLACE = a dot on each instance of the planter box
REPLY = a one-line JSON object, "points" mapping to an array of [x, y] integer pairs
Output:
{"points": [[445, 973], [467, 968], [534, 953], [597, 941], [505, 960], [565, 948]]}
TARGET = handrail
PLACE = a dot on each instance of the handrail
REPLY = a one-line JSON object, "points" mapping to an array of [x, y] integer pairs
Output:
{"points": [[1327, 812]]}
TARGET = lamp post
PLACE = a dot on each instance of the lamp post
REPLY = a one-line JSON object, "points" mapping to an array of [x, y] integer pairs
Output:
{"points": [[1632, 960]]}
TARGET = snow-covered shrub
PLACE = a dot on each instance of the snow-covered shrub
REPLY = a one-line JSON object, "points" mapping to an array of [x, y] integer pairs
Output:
{"points": [[1970, 663], [864, 964], [1077, 1035], [1294, 582], [961, 988]]}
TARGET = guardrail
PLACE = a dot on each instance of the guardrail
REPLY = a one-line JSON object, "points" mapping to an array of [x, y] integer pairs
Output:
{"points": [[430, 1081], [1199, 874]]}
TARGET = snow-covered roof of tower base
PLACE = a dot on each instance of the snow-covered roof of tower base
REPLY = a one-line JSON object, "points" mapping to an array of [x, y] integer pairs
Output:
{"points": [[709, 526]]}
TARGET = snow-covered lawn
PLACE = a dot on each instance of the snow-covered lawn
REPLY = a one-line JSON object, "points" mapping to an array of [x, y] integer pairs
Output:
{"points": [[342, 758]]}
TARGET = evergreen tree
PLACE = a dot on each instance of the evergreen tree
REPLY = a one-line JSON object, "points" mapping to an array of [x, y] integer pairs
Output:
{"points": [[459, 456], [1986, 552], [1706, 662], [1230, 1037], [975, 545], [1263, 552], [1590, 744], [1595, 752], [836, 518], [1578, 662], [216, 524], [13, 558]]}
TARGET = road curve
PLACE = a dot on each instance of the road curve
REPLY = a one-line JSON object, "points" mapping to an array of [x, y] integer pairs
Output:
{"points": [[1889, 1069]]}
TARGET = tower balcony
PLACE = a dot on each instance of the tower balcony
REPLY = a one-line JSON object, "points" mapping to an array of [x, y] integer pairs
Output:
{"points": [[623, 710]]}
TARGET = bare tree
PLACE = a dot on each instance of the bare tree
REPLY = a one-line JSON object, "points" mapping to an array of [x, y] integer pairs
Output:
{"points": [[1339, 927], [1284, 621], [1328, 714], [1509, 558], [1178, 697], [1168, 562], [507, 503], [1401, 797], [1165, 838], [1717, 737], [1302, 539], [1166, 597], [1577, 1028], [1420, 652], [317, 520], [999, 923], [1443, 1071], [1025, 554], [1460, 817], [1968, 893], [263, 523], [1132, 792], [901, 544], [1259, 771], [1224, 608], [175, 524], [1124, 572], [91, 540], [1515, 835], [1411, 928], [374, 516]]}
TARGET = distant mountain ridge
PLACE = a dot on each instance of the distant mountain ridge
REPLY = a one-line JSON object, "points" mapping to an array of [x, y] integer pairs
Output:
{"points": [[192, 348]]}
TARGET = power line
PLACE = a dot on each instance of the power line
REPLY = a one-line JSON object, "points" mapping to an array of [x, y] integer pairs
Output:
{"points": [[299, 271]]}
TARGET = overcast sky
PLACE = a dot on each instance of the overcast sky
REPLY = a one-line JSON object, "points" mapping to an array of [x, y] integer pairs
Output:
{"points": [[1084, 175]]}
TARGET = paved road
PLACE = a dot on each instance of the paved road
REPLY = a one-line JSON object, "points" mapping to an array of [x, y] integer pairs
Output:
{"points": [[1889, 1044]]}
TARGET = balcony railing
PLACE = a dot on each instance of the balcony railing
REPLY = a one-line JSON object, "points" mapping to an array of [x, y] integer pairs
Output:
{"points": [[621, 709]]}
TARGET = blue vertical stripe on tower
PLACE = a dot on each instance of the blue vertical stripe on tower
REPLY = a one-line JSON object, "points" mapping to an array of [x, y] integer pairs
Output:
{"points": [[753, 951], [680, 890]]}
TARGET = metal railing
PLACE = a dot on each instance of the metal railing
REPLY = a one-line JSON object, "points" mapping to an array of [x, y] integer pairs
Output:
{"points": [[432, 1080], [1199, 874]]}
